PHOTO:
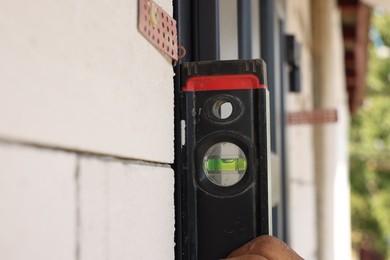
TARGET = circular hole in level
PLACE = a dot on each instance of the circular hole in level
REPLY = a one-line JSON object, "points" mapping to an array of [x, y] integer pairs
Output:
{"points": [[222, 109]]}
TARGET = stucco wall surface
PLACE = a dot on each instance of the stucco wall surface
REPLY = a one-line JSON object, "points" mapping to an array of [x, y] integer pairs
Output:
{"points": [[78, 75]]}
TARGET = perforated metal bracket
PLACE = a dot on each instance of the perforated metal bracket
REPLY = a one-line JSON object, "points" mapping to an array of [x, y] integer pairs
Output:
{"points": [[158, 27]]}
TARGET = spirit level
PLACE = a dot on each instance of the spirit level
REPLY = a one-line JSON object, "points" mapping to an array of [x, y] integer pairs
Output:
{"points": [[224, 157]]}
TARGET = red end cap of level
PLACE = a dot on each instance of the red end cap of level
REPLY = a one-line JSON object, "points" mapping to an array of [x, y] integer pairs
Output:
{"points": [[227, 82]]}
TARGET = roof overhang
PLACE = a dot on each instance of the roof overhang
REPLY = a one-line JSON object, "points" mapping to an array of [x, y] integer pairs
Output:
{"points": [[355, 23]]}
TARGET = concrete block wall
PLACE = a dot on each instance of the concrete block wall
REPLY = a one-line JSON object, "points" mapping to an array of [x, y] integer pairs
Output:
{"points": [[86, 133], [38, 203], [79, 75], [126, 210]]}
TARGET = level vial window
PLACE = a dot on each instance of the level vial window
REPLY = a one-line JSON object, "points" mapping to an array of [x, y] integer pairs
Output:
{"points": [[224, 164]]}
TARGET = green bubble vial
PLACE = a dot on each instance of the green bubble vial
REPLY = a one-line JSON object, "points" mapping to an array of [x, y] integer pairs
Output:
{"points": [[224, 164], [233, 164]]}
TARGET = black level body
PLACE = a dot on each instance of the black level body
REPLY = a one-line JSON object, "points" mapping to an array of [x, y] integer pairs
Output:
{"points": [[217, 219]]}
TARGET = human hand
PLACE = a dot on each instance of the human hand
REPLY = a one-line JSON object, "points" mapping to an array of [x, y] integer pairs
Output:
{"points": [[264, 248]]}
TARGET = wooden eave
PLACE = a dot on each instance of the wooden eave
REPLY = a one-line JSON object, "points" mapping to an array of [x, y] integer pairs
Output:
{"points": [[355, 25]]}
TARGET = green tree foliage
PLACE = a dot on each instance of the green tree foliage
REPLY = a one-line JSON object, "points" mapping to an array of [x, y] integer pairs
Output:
{"points": [[382, 22], [370, 152]]}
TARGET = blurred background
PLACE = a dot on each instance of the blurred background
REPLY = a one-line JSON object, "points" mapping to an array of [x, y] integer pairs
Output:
{"points": [[369, 153], [88, 129]]}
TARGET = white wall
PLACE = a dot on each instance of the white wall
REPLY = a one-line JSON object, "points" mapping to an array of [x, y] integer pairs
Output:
{"points": [[301, 162], [78, 75], [331, 140], [37, 202], [318, 156], [125, 210], [335, 201], [86, 133]]}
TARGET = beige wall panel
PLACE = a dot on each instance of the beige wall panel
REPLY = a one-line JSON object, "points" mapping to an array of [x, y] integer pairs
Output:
{"points": [[77, 74], [127, 211], [37, 202]]}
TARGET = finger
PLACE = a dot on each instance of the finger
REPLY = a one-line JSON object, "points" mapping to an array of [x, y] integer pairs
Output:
{"points": [[269, 247], [248, 257]]}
